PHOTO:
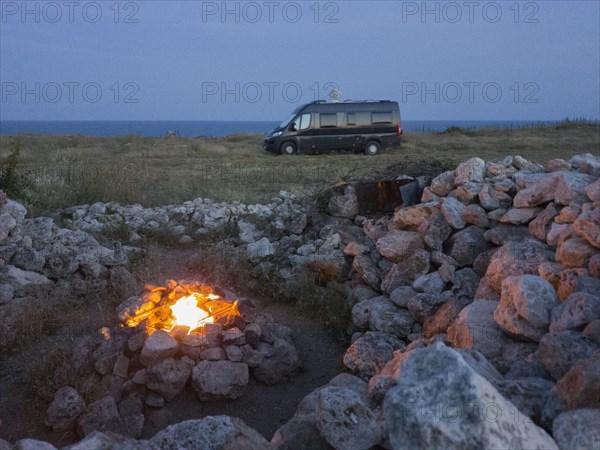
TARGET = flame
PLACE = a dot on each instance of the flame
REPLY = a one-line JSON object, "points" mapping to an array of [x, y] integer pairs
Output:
{"points": [[187, 312]]}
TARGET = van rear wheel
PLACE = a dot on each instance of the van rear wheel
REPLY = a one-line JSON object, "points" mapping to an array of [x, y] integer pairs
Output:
{"points": [[288, 148], [372, 148]]}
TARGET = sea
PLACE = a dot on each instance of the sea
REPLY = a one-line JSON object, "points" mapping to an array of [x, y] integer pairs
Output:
{"points": [[211, 128]]}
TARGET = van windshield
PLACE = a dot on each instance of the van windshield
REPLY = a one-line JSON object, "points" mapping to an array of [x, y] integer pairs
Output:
{"points": [[288, 120]]}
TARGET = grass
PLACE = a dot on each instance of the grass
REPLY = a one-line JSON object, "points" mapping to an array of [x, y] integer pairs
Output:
{"points": [[67, 170]]}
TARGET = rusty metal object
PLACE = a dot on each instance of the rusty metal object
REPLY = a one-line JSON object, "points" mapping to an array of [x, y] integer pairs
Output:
{"points": [[384, 196]]}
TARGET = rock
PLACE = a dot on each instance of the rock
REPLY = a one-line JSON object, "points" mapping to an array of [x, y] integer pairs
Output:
{"points": [[563, 187], [593, 266], [516, 258], [369, 353], [485, 292], [7, 293], [554, 165], [586, 163], [418, 413], [216, 380], [32, 444], [516, 353], [444, 317], [260, 249], [160, 345], [475, 215], [560, 350], [579, 429], [65, 409], [100, 416], [452, 210], [279, 362], [472, 169], [577, 311], [361, 292], [467, 244], [154, 400], [107, 440], [367, 271], [465, 283], [168, 377], [587, 225], [520, 216], [592, 331], [466, 192], [300, 431], [527, 394], [401, 295], [412, 217], [361, 312], [345, 206], [568, 214], [502, 234], [425, 304], [432, 282], [7, 224], [399, 245], [476, 329], [406, 272], [210, 433], [525, 306], [574, 252], [540, 226], [593, 191], [24, 282], [387, 317], [435, 230], [355, 249], [345, 421], [443, 183]]}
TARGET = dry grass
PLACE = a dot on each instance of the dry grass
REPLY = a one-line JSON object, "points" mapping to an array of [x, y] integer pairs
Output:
{"points": [[68, 170]]}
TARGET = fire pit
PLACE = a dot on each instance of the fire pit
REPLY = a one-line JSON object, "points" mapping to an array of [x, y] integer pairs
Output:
{"points": [[191, 334]]}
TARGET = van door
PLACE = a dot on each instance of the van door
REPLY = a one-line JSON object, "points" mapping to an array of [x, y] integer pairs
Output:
{"points": [[304, 131], [324, 132]]}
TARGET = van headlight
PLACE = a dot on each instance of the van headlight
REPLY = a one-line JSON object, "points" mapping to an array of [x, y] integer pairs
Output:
{"points": [[277, 133]]}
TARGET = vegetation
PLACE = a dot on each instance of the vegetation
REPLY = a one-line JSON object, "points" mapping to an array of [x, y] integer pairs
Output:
{"points": [[52, 172]]}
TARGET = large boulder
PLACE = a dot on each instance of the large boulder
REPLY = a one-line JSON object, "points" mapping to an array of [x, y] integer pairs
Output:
{"points": [[472, 169], [412, 217], [574, 251], [525, 306], [387, 317], [441, 402], [210, 433]]}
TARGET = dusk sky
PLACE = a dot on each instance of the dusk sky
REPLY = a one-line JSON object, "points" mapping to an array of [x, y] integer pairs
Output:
{"points": [[192, 60]]}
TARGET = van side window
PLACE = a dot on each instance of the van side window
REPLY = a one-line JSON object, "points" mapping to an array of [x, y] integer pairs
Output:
{"points": [[305, 121], [363, 118], [328, 120], [352, 118], [382, 117]]}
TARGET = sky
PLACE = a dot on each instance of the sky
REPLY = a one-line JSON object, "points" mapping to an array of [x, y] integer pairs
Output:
{"points": [[246, 60]]}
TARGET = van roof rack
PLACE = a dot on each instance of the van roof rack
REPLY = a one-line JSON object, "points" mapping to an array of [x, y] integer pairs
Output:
{"points": [[367, 101]]}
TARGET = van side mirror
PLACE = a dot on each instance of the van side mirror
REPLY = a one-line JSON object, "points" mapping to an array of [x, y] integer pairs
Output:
{"points": [[292, 127]]}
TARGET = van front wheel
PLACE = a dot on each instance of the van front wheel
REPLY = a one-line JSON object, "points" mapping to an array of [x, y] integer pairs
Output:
{"points": [[372, 148], [288, 148]]}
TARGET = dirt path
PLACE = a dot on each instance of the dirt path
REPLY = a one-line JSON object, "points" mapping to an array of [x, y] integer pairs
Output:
{"points": [[264, 408]]}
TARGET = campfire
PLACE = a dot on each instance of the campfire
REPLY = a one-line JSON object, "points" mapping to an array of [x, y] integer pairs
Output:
{"points": [[182, 308]]}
